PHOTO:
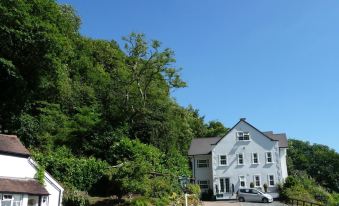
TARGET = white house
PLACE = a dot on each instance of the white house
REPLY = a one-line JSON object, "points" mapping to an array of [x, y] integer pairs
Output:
{"points": [[18, 187], [243, 156]]}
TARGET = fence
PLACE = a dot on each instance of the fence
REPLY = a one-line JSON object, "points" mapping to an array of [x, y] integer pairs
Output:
{"points": [[297, 202]]}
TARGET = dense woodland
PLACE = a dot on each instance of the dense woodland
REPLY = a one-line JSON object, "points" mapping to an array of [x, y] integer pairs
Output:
{"points": [[99, 116]]}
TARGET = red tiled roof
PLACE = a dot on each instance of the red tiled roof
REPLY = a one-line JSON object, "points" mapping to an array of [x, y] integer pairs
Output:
{"points": [[10, 144], [23, 186]]}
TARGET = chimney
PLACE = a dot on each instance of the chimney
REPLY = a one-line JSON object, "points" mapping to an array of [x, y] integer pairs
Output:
{"points": [[242, 119]]}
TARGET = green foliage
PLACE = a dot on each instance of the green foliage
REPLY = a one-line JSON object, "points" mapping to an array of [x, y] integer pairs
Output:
{"points": [[85, 105], [145, 169], [73, 197], [194, 189], [141, 201], [304, 188], [40, 175], [80, 173], [215, 129], [265, 187], [318, 161]]}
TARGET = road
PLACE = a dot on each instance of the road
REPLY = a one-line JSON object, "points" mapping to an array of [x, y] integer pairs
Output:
{"points": [[236, 203]]}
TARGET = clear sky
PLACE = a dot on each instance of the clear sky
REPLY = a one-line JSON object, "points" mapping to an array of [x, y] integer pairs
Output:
{"points": [[274, 62]]}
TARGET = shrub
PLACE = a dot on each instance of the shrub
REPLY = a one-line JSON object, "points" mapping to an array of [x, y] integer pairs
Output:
{"points": [[78, 172], [265, 187], [251, 185], [73, 197], [194, 189], [305, 188], [140, 201]]}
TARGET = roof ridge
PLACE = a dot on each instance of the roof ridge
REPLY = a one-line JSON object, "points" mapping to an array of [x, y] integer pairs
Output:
{"points": [[19, 178]]}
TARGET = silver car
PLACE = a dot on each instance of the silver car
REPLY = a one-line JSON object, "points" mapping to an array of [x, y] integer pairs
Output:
{"points": [[253, 195]]}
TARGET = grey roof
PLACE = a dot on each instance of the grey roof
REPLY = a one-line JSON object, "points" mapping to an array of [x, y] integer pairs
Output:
{"points": [[201, 146], [278, 137], [23, 186], [10, 144]]}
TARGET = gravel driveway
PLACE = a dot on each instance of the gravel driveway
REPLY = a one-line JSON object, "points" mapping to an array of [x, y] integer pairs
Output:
{"points": [[236, 203]]}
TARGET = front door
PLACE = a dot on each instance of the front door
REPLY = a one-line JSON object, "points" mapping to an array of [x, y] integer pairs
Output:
{"points": [[225, 190]]}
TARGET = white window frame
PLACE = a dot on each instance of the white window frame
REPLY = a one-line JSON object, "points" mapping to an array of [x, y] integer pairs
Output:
{"points": [[243, 158], [258, 162], [207, 184], [207, 163], [266, 155], [220, 164], [225, 185], [242, 136], [269, 180], [240, 180], [255, 181], [3, 198]]}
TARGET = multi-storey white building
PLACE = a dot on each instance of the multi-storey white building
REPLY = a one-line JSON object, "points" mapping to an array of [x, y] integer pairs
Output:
{"points": [[243, 156]]}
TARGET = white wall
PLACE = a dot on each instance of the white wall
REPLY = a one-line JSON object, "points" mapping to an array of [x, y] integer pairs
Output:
{"points": [[202, 173], [19, 167], [16, 167], [283, 153], [231, 147]]}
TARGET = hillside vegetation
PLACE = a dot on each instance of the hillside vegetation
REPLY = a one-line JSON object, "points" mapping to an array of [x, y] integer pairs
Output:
{"points": [[314, 173], [98, 116]]}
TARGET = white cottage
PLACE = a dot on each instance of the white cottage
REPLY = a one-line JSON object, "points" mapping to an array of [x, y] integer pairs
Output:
{"points": [[18, 187], [243, 156]]}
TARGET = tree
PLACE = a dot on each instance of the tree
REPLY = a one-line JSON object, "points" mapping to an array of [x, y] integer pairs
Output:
{"points": [[215, 129]]}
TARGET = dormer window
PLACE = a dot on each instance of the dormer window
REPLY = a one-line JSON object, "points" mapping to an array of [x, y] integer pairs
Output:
{"points": [[243, 136]]}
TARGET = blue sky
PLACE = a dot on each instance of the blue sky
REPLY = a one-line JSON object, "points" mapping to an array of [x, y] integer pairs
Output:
{"points": [[274, 62]]}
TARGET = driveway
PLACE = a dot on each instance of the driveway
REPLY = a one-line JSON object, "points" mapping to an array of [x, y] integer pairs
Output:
{"points": [[236, 203], [221, 203]]}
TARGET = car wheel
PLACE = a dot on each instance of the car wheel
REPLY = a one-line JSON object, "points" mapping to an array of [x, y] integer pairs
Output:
{"points": [[264, 200], [241, 199]]}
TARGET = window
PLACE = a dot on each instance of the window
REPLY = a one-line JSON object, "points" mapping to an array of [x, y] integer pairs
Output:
{"points": [[240, 158], [6, 200], [255, 158], [202, 163], [17, 200], [243, 136], [44, 201], [242, 181], [11, 200], [253, 191], [222, 185], [269, 158], [256, 179], [225, 185], [223, 160], [203, 184], [271, 180]]}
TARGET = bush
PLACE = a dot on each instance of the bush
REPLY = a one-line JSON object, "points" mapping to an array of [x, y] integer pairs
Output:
{"points": [[305, 188], [140, 201], [145, 169], [73, 197], [194, 189], [179, 199], [80, 173]]}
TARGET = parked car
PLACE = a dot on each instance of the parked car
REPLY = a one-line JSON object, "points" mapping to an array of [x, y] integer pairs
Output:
{"points": [[253, 195]]}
